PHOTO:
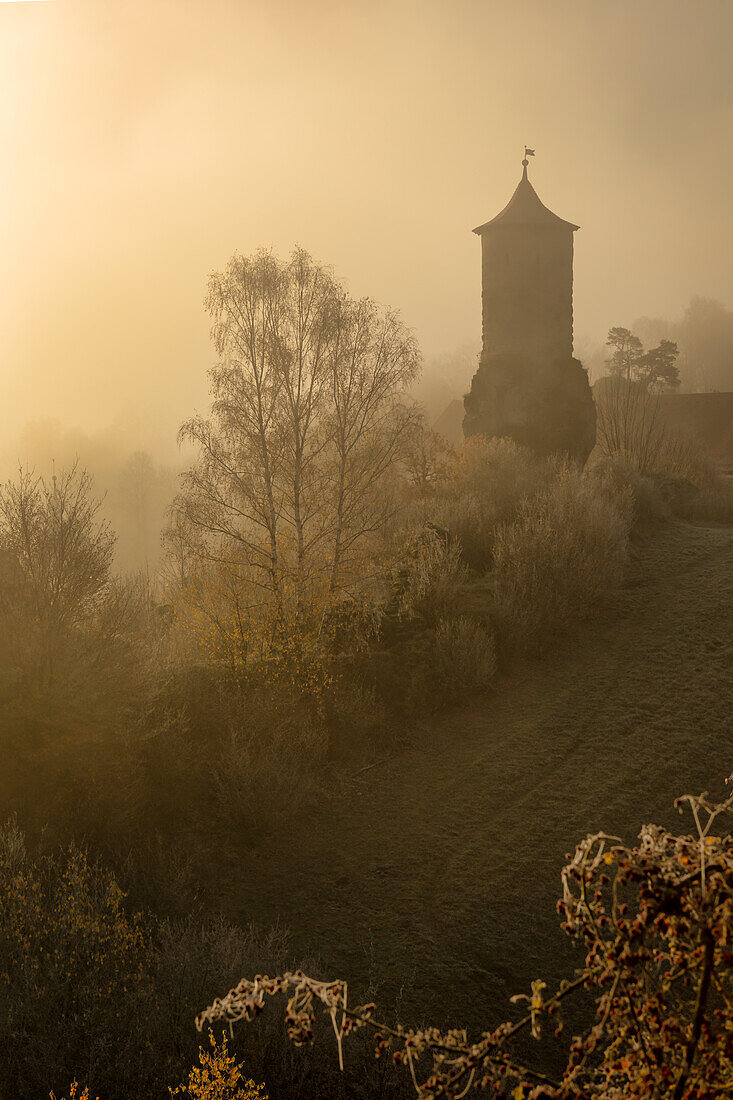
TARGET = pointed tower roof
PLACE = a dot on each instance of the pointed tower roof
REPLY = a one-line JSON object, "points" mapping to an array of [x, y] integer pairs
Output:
{"points": [[525, 208]]}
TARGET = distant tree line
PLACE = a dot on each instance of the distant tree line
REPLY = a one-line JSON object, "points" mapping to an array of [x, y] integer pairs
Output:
{"points": [[135, 489], [703, 337]]}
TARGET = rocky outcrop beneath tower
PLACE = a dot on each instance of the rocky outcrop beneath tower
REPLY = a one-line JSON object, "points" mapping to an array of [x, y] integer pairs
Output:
{"points": [[546, 406]]}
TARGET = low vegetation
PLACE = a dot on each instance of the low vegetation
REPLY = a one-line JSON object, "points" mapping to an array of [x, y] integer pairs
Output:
{"points": [[334, 572], [671, 474], [654, 921], [109, 684], [430, 628], [562, 559], [99, 995]]}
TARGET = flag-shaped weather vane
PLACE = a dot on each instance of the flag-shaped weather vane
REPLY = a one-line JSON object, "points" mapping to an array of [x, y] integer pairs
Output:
{"points": [[527, 153]]}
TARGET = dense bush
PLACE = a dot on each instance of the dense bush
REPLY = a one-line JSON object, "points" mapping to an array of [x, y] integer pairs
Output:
{"points": [[272, 742], [549, 541], [424, 581], [562, 559], [483, 487], [76, 994], [614, 475], [712, 501]]}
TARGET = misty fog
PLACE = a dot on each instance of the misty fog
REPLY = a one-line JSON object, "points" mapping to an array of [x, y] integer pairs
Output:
{"points": [[366, 578], [146, 141]]}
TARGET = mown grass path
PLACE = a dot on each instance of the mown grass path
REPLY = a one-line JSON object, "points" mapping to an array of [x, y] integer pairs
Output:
{"points": [[441, 872]]}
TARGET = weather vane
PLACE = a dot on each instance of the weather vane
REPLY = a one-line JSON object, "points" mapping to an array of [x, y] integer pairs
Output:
{"points": [[527, 153]]}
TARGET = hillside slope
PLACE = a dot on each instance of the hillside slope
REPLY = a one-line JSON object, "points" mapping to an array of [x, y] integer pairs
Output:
{"points": [[440, 873]]}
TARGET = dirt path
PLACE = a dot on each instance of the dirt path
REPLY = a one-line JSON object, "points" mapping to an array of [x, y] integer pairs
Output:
{"points": [[442, 872]]}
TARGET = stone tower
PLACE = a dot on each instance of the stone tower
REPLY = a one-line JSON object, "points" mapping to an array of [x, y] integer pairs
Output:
{"points": [[527, 278], [528, 386]]}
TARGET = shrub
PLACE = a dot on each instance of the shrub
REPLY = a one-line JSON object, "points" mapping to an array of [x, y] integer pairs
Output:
{"points": [[685, 457], [426, 577], [465, 657], [629, 424], [357, 716], [74, 1094], [224, 617], [686, 484], [465, 516], [69, 952], [488, 482], [631, 429], [401, 671], [271, 742], [561, 559], [615, 477], [218, 1076], [713, 502]]}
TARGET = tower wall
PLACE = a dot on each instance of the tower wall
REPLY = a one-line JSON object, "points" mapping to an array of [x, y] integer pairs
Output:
{"points": [[527, 291]]}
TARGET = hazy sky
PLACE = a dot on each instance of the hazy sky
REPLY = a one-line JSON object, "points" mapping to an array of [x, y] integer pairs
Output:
{"points": [[143, 141]]}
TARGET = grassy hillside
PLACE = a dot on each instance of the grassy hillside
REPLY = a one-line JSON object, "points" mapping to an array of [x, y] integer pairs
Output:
{"points": [[438, 872]]}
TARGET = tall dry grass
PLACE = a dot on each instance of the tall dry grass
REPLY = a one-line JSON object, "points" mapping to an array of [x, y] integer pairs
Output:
{"points": [[465, 657]]}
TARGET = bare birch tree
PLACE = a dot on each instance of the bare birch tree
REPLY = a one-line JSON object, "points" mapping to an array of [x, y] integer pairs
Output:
{"points": [[231, 498], [307, 420], [373, 360]]}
